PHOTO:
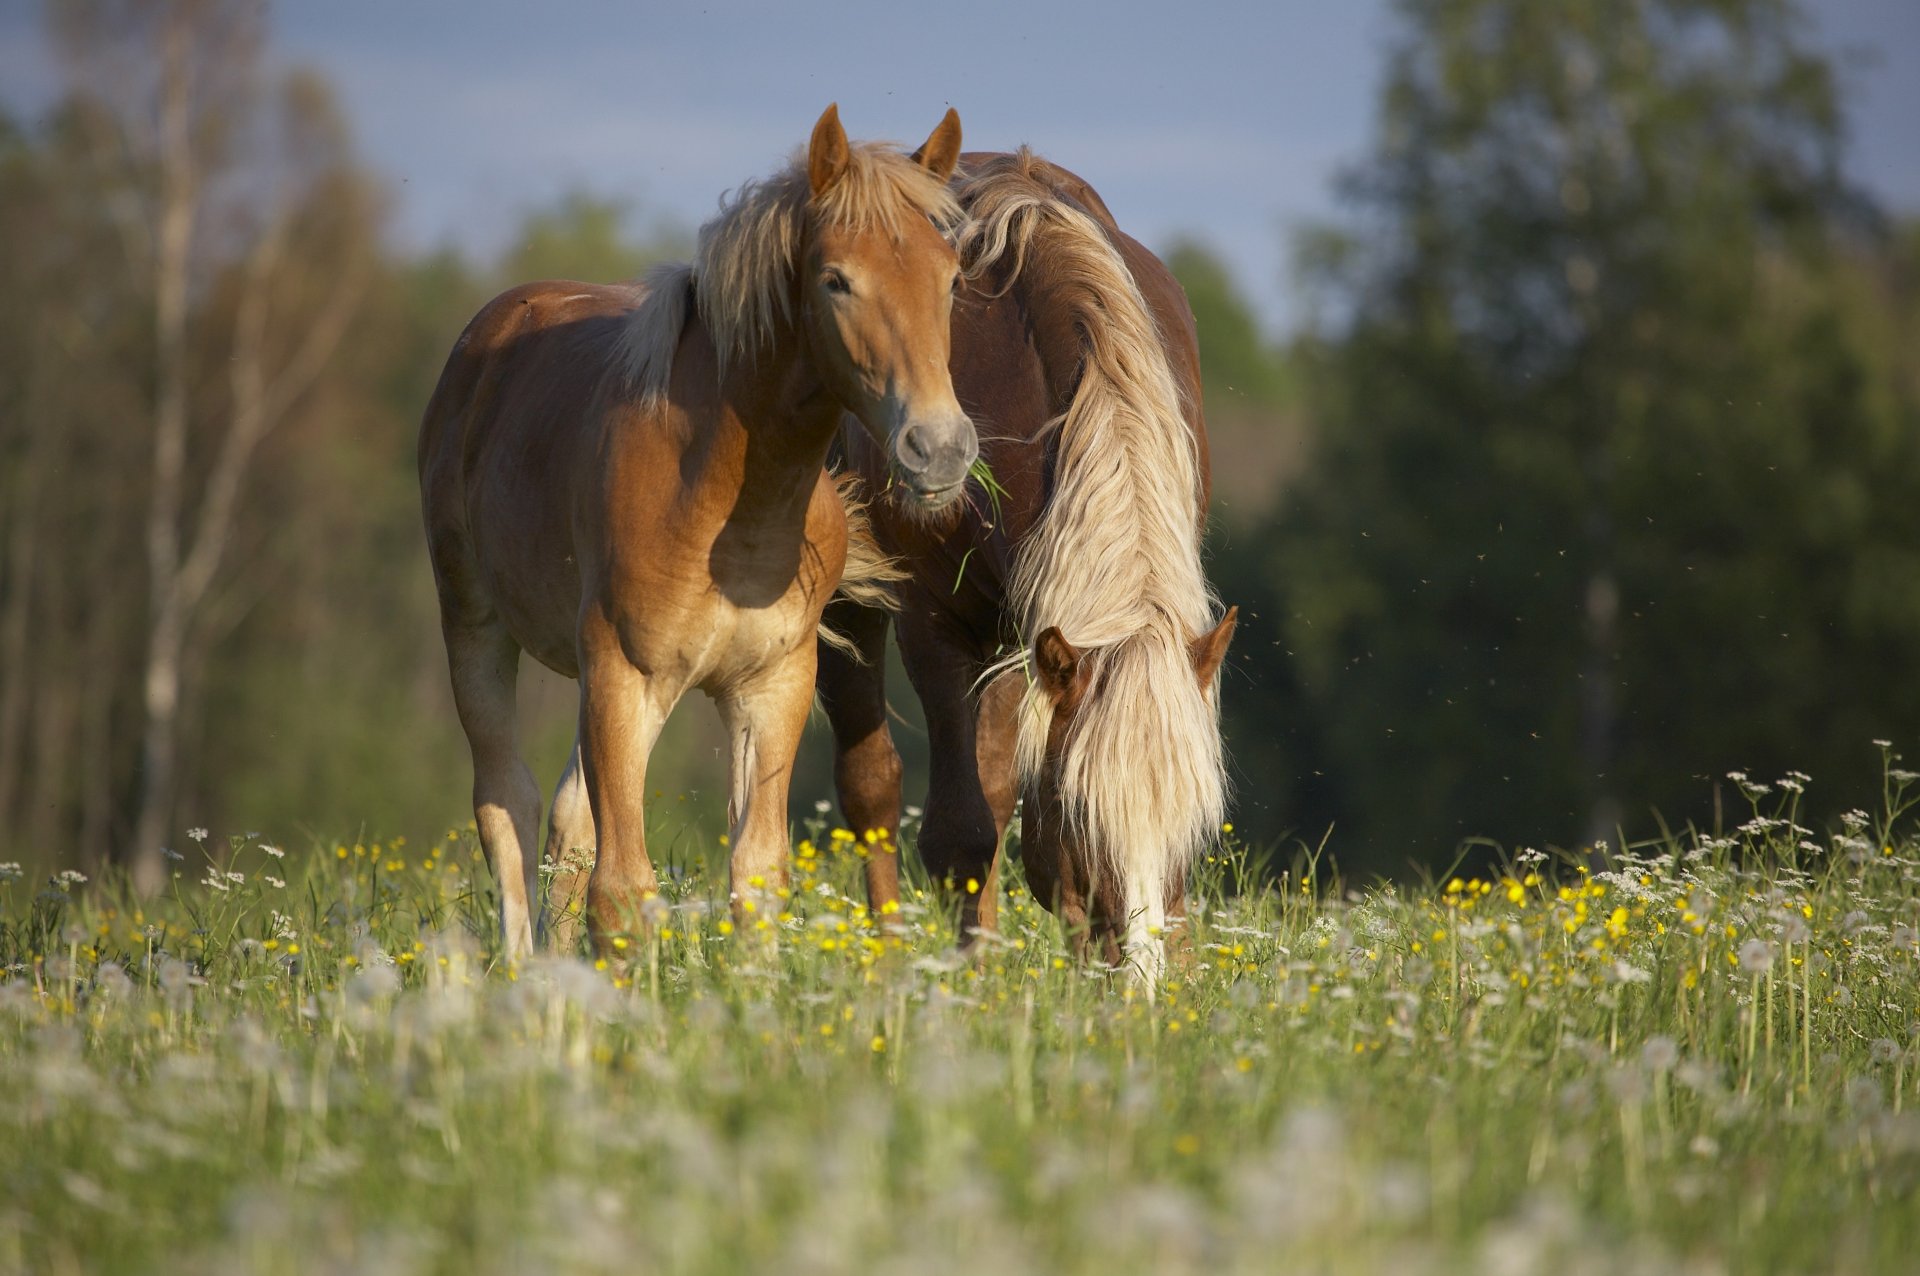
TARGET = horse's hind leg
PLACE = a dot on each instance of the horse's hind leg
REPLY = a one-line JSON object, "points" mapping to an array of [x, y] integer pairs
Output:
{"points": [[866, 766], [569, 855], [485, 663]]}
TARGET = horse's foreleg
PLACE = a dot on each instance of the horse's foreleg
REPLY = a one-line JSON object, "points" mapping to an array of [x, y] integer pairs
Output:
{"points": [[620, 718], [866, 766], [569, 855], [484, 661], [960, 839], [995, 725], [764, 718]]}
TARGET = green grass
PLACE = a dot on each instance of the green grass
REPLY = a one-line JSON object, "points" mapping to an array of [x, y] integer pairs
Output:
{"points": [[1704, 1061]]}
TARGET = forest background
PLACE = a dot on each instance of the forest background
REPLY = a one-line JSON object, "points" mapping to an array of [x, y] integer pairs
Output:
{"points": [[1585, 473]]}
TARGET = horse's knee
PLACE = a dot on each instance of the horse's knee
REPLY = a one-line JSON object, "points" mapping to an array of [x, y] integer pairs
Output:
{"points": [[868, 778]]}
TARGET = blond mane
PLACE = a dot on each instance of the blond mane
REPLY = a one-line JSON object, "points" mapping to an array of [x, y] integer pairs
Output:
{"points": [[1114, 560], [741, 280]]}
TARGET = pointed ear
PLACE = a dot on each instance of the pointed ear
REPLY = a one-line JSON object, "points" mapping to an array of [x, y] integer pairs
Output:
{"points": [[1056, 663], [941, 151], [827, 153], [1209, 649]]}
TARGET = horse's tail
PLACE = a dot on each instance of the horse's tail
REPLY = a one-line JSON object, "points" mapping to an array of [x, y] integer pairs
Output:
{"points": [[870, 574], [1114, 560]]}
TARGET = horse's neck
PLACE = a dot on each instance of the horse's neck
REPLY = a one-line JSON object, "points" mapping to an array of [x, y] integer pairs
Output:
{"points": [[770, 435], [1056, 337]]}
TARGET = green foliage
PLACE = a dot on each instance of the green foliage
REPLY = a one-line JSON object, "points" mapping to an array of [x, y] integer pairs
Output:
{"points": [[1701, 1061], [586, 237], [1255, 430], [1239, 369], [1613, 465]]}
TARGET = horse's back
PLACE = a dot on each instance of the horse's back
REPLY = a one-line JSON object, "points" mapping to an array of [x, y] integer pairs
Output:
{"points": [[502, 446]]}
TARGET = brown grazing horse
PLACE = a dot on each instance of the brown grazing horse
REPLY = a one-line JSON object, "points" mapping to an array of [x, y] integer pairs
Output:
{"points": [[1071, 591], [626, 482]]}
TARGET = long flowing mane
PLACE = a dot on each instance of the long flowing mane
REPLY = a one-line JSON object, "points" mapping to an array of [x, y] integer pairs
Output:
{"points": [[741, 280], [1114, 561]]}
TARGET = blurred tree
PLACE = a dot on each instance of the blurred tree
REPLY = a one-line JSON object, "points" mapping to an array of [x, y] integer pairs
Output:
{"points": [[1611, 493], [210, 387], [247, 238], [1254, 424], [585, 236]]}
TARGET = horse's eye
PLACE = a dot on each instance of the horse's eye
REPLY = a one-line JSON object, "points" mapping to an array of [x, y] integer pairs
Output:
{"points": [[954, 287], [834, 281]]}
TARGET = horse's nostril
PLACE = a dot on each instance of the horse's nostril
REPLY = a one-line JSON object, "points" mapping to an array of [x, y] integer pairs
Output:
{"points": [[914, 452]]}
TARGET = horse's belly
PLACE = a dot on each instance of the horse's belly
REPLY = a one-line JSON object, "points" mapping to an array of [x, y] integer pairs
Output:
{"points": [[534, 584]]}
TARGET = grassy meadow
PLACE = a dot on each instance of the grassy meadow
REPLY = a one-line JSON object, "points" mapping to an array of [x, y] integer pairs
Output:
{"points": [[1701, 1060]]}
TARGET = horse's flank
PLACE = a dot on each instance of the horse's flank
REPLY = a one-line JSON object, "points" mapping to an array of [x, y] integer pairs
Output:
{"points": [[1114, 560]]}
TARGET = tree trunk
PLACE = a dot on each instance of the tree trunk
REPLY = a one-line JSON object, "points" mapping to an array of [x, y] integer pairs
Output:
{"points": [[161, 685]]}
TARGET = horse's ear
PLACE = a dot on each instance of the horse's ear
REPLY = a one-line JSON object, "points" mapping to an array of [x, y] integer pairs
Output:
{"points": [[940, 153], [827, 153], [1056, 663], [1210, 648]]}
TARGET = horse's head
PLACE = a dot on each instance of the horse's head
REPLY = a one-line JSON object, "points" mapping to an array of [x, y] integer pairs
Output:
{"points": [[1128, 786], [876, 291]]}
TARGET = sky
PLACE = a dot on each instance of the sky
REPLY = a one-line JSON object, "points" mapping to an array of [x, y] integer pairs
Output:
{"points": [[1226, 122]]}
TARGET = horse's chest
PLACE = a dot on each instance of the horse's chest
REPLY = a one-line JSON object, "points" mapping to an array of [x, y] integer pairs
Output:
{"points": [[710, 636]]}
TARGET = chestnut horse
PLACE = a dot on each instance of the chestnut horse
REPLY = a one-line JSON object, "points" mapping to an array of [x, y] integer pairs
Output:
{"points": [[626, 482], [1057, 626]]}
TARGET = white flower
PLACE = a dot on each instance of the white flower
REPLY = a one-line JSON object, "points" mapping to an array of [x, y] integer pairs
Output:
{"points": [[273, 850], [1756, 957], [197, 834]]}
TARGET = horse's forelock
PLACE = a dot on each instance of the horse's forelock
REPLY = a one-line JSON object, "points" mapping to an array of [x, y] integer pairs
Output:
{"points": [[742, 275], [748, 254]]}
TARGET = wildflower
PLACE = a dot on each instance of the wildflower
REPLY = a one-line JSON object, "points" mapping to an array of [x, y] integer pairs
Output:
{"points": [[197, 834], [1660, 1054], [1756, 957]]}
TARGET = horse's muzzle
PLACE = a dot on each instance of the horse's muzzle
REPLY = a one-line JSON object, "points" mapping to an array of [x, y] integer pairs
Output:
{"points": [[933, 458]]}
